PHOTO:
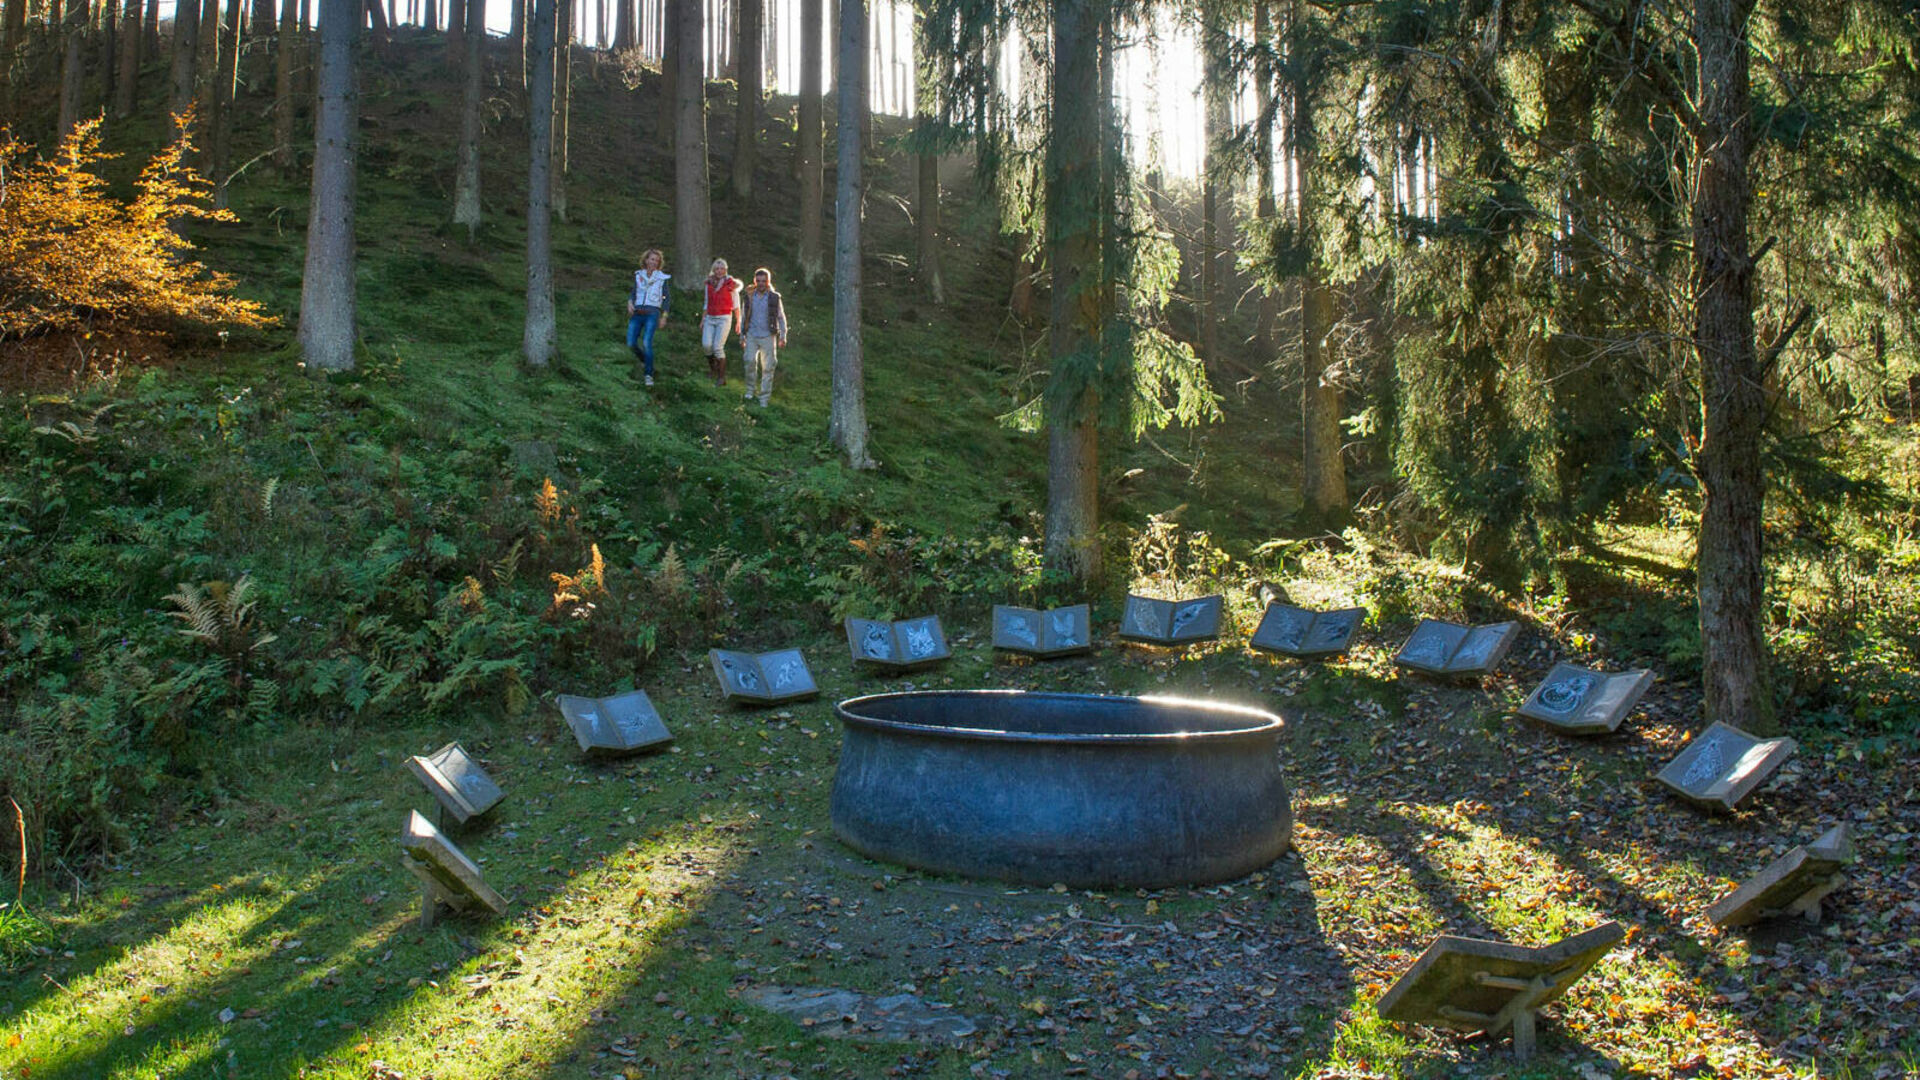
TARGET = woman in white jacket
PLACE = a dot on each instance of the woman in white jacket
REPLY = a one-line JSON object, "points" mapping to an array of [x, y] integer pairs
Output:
{"points": [[647, 309]]}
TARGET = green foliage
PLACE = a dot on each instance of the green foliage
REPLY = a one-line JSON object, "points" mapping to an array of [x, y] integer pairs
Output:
{"points": [[23, 935]]}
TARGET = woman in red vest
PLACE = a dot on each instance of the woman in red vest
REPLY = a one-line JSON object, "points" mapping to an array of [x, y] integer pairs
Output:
{"points": [[719, 317]]}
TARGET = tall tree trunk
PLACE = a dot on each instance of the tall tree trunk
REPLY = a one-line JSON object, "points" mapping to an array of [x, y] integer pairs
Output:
{"points": [[186, 45], [539, 343], [150, 32], [1074, 213], [1732, 582], [927, 170], [1264, 208], [13, 26], [1323, 474], [456, 33], [229, 77], [109, 50], [517, 39], [327, 316], [283, 106], [466, 183], [127, 83], [1218, 82], [847, 423], [206, 105], [73, 67], [670, 67], [263, 21], [562, 105], [381, 32], [692, 196], [808, 143], [746, 125], [623, 35]]}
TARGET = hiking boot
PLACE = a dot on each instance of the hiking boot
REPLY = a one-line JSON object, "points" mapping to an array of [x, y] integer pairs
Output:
{"points": [[648, 379]]}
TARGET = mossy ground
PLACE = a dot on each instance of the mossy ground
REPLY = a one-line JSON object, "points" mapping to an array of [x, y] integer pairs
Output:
{"points": [[256, 923]]}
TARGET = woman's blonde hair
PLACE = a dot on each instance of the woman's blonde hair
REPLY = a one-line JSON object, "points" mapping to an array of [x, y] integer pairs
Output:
{"points": [[653, 251], [721, 263]]}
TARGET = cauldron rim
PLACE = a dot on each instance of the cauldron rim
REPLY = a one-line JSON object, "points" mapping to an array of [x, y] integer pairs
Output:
{"points": [[1262, 723]]}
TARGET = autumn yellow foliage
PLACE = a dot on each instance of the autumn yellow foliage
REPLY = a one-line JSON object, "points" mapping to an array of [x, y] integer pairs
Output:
{"points": [[72, 256]]}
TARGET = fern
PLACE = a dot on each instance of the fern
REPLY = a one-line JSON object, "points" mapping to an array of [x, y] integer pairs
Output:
{"points": [[220, 616]]}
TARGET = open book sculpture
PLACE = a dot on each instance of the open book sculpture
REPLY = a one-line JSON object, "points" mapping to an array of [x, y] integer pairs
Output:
{"points": [[622, 724], [1793, 884], [1723, 765], [1582, 701], [462, 788], [447, 877], [1306, 634], [908, 643], [1171, 622], [1444, 648], [1471, 984], [764, 678], [1056, 632]]}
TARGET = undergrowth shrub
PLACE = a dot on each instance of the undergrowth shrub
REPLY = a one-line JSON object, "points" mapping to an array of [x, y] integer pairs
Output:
{"points": [[72, 256]]}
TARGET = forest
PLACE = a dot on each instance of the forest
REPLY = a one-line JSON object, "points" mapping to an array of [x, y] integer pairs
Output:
{"points": [[344, 446]]}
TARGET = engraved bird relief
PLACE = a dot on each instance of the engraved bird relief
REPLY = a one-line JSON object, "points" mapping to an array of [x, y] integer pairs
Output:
{"points": [[874, 643], [1291, 629], [474, 787], [1707, 765], [1140, 620], [1426, 647], [1332, 630], [1019, 629], [919, 640], [1063, 629], [742, 677], [1184, 616], [1565, 695], [786, 674]]}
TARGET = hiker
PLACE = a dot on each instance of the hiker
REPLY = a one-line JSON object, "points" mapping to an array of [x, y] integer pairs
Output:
{"points": [[763, 332], [721, 315], [647, 309]]}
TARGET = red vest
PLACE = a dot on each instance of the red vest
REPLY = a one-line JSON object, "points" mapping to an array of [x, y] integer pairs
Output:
{"points": [[720, 297]]}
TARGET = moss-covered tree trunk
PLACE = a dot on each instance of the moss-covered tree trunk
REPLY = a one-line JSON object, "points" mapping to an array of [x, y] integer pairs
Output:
{"points": [[327, 313], [847, 424], [1732, 582], [1073, 186]]}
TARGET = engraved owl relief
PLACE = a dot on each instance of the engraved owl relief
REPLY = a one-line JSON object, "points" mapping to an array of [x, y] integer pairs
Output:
{"points": [[1063, 628], [874, 643], [1019, 629]]}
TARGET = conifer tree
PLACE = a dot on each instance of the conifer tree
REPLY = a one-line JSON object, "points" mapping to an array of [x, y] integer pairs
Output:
{"points": [[692, 195], [809, 151], [466, 183], [327, 305], [847, 423], [538, 343]]}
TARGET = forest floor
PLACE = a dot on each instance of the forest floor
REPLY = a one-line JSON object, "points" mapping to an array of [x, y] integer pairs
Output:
{"points": [[254, 920], [275, 936]]}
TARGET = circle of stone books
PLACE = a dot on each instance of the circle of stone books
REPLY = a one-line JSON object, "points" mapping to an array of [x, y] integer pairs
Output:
{"points": [[1462, 983]]}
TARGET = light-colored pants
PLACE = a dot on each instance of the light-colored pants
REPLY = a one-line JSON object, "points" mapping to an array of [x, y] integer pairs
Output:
{"points": [[763, 355], [713, 333]]}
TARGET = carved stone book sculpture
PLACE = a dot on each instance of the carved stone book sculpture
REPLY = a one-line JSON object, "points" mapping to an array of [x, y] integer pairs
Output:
{"points": [[1793, 884], [1064, 631], [457, 782], [1444, 648], [447, 877], [611, 726], [1723, 765], [1171, 622], [1582, 701], [1304, 633], [763, 678], [901, 645], [1472, 984]]}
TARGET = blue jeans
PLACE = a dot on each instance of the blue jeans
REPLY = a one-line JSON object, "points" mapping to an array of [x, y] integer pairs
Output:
{"points": [[640, 328]]}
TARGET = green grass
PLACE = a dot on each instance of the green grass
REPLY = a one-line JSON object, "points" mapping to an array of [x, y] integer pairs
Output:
{"points": [[249, 917]]}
